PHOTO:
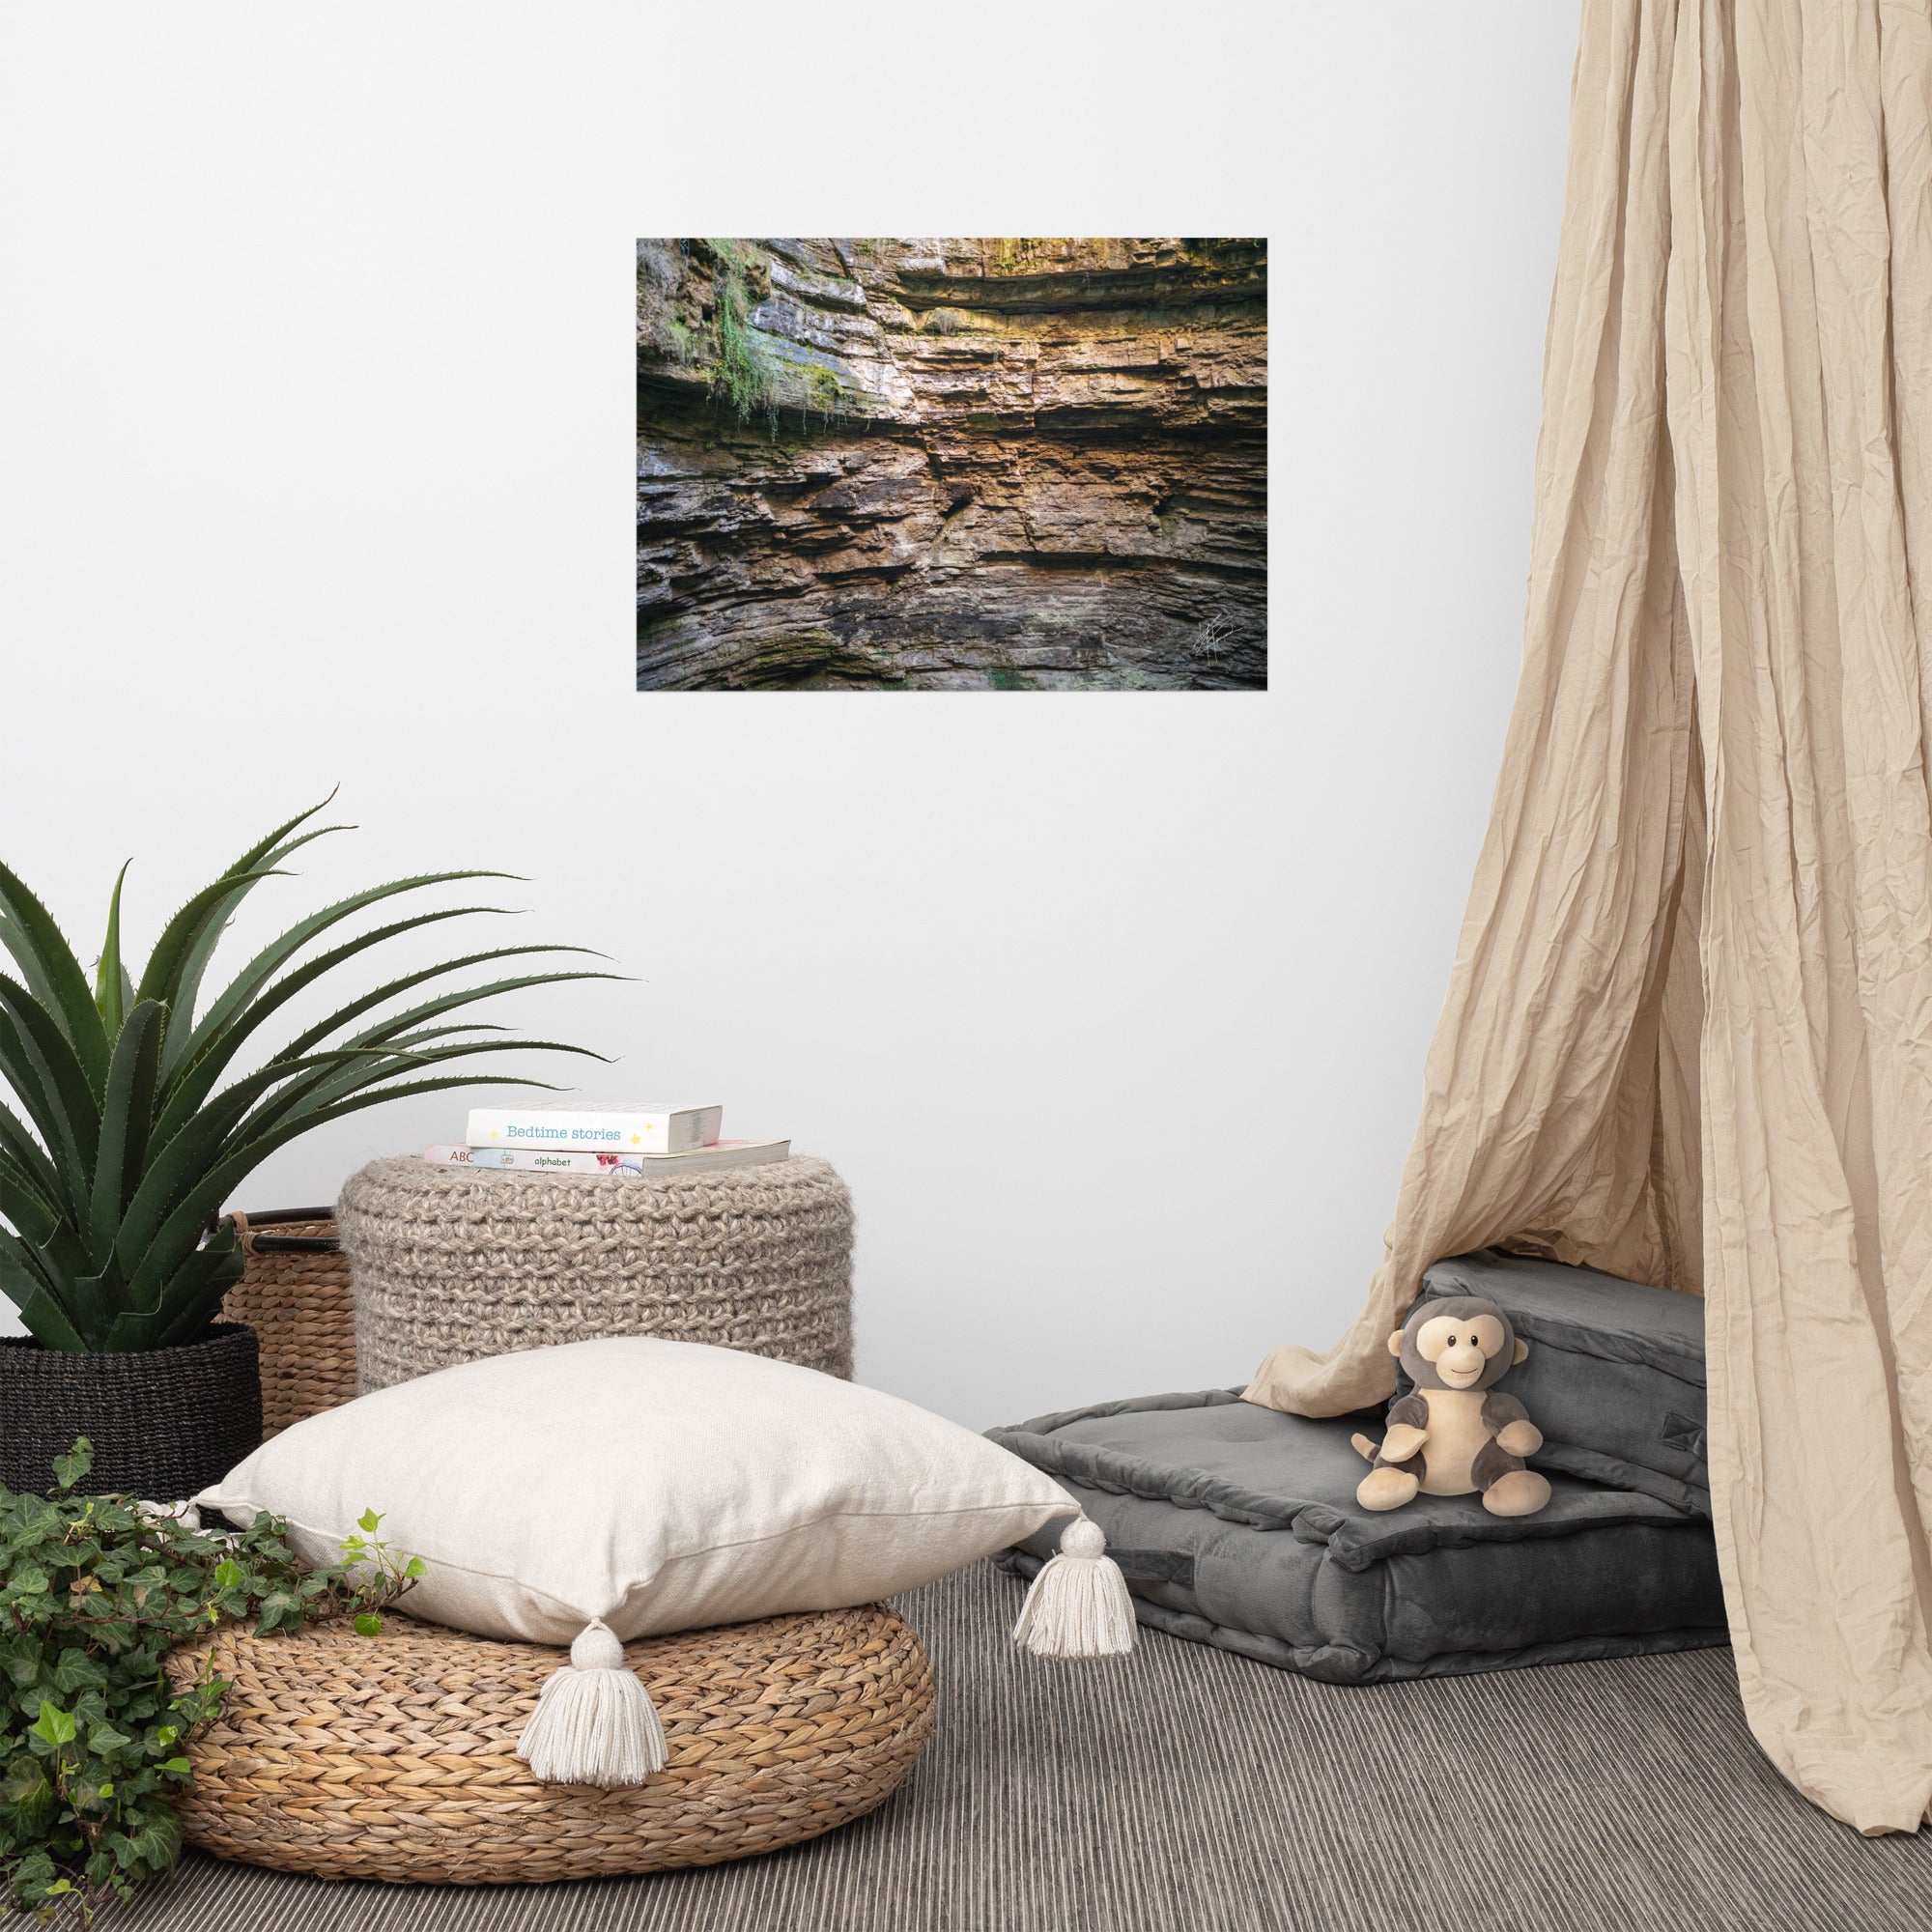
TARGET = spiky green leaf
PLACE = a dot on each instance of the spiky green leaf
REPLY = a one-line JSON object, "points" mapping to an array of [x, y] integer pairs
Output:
{"points": [[41, 1065], [321, 1090], [179, 1156], [127, 1113], [47, 964], [173, 1239], [25, 1282], [445, 1002], [226, 1029], [272, 957], [264, 855], [161, 979], [110, 976], [223, 1180], [30, 1194]]}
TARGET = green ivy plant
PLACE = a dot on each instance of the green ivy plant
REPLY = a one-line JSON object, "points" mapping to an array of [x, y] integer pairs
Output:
{"points": [[124, 1140], [95, 1591]]}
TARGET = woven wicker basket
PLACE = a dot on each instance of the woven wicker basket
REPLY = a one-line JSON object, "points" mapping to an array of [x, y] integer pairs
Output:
{"points": [[163, 1422], [296, 1297], [394, 1756]]}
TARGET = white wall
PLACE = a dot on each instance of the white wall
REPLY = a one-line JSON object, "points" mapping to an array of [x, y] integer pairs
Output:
{"points": [[316, 465]]}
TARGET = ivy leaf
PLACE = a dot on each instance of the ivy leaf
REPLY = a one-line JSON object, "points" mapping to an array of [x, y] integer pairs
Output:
{"points": [[22, 1660], [416, 1567], [155, 1846], [176, 1767], [368, 1623], [91, 1707], [104, 1739], [35, 1876], [227, 1574], [75, 1670], [279, 1610], [53, 1724], [70, 1469], [368, 1521], [24, 1783], [85, 1795]]}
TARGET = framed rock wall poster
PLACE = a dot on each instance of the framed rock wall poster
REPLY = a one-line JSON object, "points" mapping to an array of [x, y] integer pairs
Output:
{"points": [[994, 464]]}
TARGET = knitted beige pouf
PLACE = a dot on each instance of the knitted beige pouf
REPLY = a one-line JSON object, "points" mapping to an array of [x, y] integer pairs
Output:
{"points": [[394, 1756], [453, 1264]]}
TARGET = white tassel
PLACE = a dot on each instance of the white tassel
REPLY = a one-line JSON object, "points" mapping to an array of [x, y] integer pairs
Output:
{"points": [[1079, 1605], [595, 1722]]}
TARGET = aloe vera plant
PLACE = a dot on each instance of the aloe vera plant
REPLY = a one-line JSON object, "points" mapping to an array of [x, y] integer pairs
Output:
{"points": [[123, 1141]]}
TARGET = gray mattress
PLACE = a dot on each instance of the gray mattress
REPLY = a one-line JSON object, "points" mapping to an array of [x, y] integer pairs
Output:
{"points": [[1615, 1375], [1237, 1526]]}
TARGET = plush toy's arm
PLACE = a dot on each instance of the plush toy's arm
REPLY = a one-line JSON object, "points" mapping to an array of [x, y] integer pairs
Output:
{"points": [[1508, 1421], [1408, 1429]]}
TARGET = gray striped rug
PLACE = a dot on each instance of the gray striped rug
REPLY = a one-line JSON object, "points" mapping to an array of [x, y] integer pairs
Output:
{"points": [[1188, 1791]]}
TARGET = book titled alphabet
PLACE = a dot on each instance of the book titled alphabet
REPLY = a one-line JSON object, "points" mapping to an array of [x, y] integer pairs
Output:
{"points": [[541, 1160]]}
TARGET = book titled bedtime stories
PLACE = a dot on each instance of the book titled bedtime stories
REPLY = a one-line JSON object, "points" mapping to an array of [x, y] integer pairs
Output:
{"points": [[597, 1129]]}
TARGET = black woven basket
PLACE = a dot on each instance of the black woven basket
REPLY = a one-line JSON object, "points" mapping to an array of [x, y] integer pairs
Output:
{"points": [[164, 1422]]}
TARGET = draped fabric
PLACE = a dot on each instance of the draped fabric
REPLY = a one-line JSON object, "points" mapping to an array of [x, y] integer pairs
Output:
{"points": [[1689, 1030]]}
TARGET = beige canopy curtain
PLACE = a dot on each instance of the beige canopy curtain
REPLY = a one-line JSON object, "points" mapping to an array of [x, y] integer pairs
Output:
{"points": [[1689, 1031]]}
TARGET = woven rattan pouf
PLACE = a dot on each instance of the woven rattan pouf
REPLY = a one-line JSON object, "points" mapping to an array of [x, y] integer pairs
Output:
{"points": [[451, 1264], [394, 1756]]}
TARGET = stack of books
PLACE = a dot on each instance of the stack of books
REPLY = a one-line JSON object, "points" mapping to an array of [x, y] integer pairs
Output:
{"points": [[603, 1140]]}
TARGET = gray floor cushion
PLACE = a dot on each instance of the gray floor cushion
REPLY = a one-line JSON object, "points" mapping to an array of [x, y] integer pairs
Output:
{"points": [[1615, 1375], [1238, 1525]]}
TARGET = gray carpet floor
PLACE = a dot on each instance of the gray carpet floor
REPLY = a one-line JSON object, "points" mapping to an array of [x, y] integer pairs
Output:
{"points": [[1185, 1790]]}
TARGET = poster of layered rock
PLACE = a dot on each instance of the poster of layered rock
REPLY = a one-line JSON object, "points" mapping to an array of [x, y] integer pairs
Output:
{"points": [[993, 463]]}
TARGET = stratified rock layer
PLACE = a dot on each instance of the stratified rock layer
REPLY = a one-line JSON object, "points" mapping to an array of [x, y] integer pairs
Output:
{"points": [[923, 464]]}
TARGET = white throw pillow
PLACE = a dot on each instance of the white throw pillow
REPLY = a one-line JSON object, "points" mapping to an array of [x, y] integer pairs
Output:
{"points": [[643, 1484]]}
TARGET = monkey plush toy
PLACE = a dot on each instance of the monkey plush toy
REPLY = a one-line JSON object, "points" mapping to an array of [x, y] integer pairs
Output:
{"points": [[1456, 1433]]}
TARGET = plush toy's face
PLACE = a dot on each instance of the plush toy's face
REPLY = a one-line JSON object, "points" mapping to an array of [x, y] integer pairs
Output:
{"points": [[1457, 1342]]}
